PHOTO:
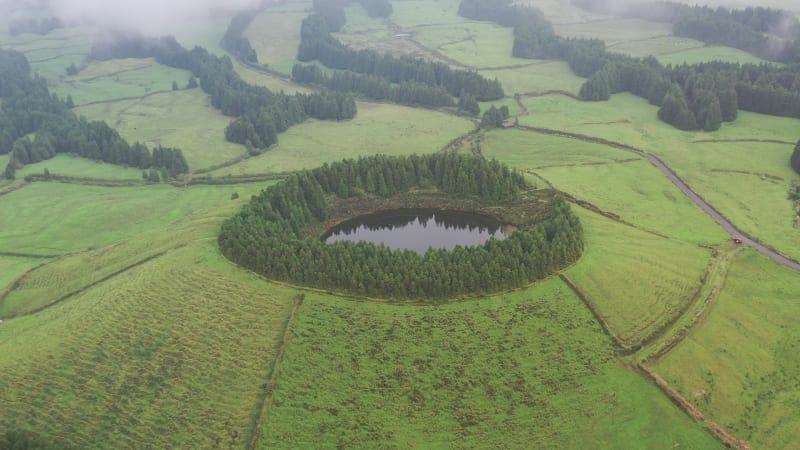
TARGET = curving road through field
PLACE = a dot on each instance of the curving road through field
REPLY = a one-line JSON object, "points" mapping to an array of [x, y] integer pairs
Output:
{"points": [[680, 184], [725, 223]]}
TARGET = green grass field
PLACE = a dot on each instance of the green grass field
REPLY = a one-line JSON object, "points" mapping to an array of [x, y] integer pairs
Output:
{"points": [[11, 267], [526, 150], [73, 166], [709, 53], [275, 35], [636, 280], [142, 335], [638, 193], [186, 121], [614, 30], [57, 218], [51, 54], [526, 370], [740, 365], [117, 79], [141, 359], [750, 202], [378, 128], [537, 76]]}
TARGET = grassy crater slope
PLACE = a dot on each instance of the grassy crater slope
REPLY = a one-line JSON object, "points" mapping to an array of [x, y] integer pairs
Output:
{"points": [[172, 353], [526, 370], [741, 365]]}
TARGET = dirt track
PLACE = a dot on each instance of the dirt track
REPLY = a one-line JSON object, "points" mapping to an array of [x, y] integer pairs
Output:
{"points": [[680, 184]]}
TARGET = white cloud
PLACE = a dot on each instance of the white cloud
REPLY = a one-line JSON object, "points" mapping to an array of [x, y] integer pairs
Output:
{"points": [[148, 16]]}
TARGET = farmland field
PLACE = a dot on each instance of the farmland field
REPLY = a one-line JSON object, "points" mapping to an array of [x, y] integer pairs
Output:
{"points": [[55, 218], [530, 369], [740, 363], [73, 166], [634, 302], [131, 330], [12, 267], [187, 121], [378, 128], [276, 34], [667, 211], [536, 76], [111, 363], [704, 160], [117, 79]]}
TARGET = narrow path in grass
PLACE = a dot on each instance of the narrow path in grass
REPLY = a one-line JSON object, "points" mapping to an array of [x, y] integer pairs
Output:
{"points": [[85, 288], [732, 230], [713, 285], [272, 376]]}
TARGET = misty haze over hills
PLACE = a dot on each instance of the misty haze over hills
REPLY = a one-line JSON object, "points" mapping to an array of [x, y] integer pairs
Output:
{"points": [[148, 16], [159, 16]]}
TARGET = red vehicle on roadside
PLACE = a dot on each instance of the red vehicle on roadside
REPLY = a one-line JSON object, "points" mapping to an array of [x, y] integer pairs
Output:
{"points": [[737, 241]]}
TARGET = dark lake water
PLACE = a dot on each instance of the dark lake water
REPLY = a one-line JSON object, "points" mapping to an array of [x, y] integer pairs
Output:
{"points": [[418, 230]]}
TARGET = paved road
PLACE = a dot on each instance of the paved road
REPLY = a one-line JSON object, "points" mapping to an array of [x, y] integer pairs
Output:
{"points": [[725, 223], [680, 184]]}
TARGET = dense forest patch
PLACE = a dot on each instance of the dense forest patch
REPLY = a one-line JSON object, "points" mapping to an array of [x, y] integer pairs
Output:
{"points": [[276, 234]]}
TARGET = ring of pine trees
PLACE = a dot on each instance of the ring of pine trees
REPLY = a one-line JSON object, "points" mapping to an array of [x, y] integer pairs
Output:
{"points": [[271, 234]]}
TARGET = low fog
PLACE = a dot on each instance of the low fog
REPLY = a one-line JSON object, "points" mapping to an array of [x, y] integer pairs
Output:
{"points": [[146, 16]]}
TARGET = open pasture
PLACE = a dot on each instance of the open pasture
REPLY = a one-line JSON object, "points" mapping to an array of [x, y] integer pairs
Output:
{"points": [[120, 79], [740, 365], [527, 151], [172, 353], [637, 281], [536, 76], [11, 267], [186, 120], [614, 30], [58, 218], [73, 166], [55, 280], [530, 369], [378, 128], [637, 192], [275, 35], [383, 36], [270, 81], [52, 53], [698, 156], [707, 54]]}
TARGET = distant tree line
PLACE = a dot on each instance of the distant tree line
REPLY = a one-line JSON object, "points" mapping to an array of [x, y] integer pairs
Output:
{"points": [[690, 97], [771, 34], [317, 43], [267, 235], [795, 159], [35, 26], [261, 114], [29, 108], [410, 93], [234, 40]]}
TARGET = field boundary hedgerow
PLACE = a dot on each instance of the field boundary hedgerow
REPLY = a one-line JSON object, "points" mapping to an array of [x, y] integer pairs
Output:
{"points": [[618, 345], [691, 410]]}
